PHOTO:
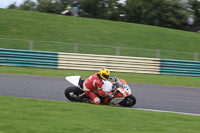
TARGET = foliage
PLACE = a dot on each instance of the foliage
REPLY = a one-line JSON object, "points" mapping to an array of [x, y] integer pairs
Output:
{"points": [[156, 12], [28, 5], [194, 6], [47, 6], [101, 9], [12, 6]]}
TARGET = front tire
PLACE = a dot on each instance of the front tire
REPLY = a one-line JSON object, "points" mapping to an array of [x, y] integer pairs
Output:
{"points": [[128, 101]]}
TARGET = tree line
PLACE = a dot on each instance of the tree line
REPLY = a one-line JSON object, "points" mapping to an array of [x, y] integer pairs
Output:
{"points": [[163, 13]]}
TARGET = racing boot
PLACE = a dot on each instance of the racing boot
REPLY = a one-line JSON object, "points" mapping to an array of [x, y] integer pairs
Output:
{"points": [[86, 100]]}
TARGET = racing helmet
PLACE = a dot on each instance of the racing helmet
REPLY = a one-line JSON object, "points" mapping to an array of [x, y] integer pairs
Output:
{"points": [[104, 73]]}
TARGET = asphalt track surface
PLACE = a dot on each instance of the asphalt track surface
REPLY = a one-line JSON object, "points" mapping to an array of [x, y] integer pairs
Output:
{"points": [[156, 97]]}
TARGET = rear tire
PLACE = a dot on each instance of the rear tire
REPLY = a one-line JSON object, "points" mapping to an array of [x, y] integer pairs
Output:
{"points": [[72, 93], [128, 101]]}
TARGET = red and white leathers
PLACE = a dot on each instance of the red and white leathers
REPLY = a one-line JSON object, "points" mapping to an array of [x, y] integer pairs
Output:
{"points": [[91, 84]]}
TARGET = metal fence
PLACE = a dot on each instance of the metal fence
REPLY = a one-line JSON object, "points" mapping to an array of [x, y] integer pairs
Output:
{"points": [[95, 49]]}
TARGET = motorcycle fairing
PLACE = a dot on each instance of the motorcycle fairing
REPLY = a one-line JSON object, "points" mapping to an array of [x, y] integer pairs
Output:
{"points": [[116, 100], [74, 80]]}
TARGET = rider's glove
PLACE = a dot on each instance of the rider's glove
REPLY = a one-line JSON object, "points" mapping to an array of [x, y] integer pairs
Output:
{"points": [[110, 95], [113, 78], [110, 77]]}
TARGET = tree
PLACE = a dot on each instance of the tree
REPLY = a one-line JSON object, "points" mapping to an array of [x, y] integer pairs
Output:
{"points": [[101, 9], [45, 6], [28, 5], [48, 6], [165, 13], [115, 10], [12, 6], [65, 3], [194, 8]]}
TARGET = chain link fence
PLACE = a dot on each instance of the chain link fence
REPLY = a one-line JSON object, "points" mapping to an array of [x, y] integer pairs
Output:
{"points": [[95, 49]]}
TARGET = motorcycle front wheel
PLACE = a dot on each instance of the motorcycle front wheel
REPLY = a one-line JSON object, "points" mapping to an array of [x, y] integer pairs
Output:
{"points": [[128, 101]]}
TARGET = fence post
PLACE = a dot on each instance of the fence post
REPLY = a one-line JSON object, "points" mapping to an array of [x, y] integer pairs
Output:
{"points": [[195, 56], [158, 53], [118, 50], [75, 48], [31, 45]]}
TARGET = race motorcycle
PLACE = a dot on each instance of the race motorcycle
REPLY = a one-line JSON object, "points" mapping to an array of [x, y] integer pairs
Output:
{"points": [[120, 90]]}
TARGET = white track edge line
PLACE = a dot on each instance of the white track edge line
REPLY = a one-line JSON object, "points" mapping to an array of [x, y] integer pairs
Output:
{"points": [[154, 110]]}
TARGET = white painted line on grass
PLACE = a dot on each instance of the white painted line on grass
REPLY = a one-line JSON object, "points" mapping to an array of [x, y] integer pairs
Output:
{"points": [[166, 85], [28, 75], [167, 111]]}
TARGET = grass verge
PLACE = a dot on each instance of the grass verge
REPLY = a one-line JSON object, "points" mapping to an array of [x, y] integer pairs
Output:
{"points": [[22, 115], [129, 77]]}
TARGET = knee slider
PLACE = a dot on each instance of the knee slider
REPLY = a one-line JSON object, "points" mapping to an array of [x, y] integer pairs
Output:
{"points": [[97, 100]]}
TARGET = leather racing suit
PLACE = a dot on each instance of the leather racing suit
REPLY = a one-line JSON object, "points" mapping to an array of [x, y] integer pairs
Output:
{"points": [[92, 83]]}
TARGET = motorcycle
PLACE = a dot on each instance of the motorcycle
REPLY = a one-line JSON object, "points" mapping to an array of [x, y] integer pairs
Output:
{"points": [[120, 90]]}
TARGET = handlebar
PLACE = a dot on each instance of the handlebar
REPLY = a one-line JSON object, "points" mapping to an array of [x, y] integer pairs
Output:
{"points": [[114, 78]]}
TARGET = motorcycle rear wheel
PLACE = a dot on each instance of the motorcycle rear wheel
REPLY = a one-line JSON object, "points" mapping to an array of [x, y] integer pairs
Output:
{"points": [[72, 93], [128, 101]]}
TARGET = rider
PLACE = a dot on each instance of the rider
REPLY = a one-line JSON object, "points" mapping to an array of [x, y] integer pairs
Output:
{"points": [[95, 82]]}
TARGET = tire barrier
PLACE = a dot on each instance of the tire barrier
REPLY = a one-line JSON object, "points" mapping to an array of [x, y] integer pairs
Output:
{"points": [[180, 67], [27, 58], [113, 63]]}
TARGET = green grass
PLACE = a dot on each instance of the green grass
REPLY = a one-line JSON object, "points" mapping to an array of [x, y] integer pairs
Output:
{"points": [[20, 115], [129, 77], [28, 25]]}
